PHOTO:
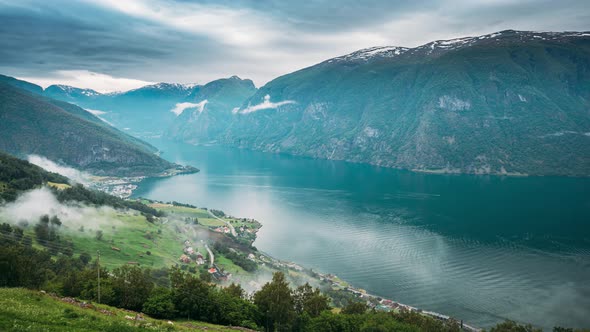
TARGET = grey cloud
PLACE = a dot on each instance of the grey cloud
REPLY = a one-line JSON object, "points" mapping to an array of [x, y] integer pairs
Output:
{"points": [[39, 37]]}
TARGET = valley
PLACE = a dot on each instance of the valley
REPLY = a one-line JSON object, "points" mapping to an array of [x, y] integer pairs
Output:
{"points": [[440, 186]]}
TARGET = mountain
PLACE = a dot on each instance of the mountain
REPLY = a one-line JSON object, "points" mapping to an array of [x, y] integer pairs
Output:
{"points": [[33, 124], [210, 109], [143, 111], [511, 102], [21, 84]]}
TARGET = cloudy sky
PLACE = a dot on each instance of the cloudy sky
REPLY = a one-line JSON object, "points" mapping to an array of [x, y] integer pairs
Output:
{"points": [[121, 44]]}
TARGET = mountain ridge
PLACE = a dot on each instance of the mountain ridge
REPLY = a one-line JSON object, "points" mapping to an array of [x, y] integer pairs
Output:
{"points": [[65, 133], [509, 103]]}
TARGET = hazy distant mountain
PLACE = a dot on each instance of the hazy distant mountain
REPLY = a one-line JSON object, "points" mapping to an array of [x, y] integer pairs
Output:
{"points": [[209, 110], [507, 102], [143, 111], [34, 124]]}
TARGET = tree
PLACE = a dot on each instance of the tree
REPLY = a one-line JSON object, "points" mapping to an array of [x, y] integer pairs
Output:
{"points": [[55, 221], [132, 286], [275, 303], [160, 304], [512, 326], [85, 258], [191, 296], [310, 300], [5, 228], [27, 241], [99, 235], [205, 275], [17, 234], [355, 308], [235, 290], [41, 232]]}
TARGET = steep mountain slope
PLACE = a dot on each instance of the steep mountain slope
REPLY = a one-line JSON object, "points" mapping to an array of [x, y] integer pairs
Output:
{"points": [[143, 111], [32, 124], [508, 102], [209, 110]]}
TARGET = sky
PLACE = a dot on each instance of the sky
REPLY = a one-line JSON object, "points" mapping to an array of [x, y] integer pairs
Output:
{"points": [[115, 45]]}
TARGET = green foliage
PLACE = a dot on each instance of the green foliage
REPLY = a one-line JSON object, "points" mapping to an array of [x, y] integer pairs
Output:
{"points": [[160, 304], [79, 193], [275, 302], [238, 259], [18, 175], [85, 258], [25, 310], [310, 301], [275, 307], [355, 308], [511, 326]]}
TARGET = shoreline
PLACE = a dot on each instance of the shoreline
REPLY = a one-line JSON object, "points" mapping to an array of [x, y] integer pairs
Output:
{"points": [[125, 186], [327, 282]]}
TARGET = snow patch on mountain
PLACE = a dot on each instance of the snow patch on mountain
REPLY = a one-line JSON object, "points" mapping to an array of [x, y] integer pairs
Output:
{"points": [[266, 104], [372, 52]]}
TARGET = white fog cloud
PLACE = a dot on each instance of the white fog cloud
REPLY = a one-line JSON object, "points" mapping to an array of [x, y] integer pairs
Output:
{"points": [[69, 172], [95, 112], [266, 104], [31, 205], [180, 107]]}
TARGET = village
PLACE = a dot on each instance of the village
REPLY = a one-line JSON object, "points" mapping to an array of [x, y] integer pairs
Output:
{"points": [[218, 245], [192, 256], [120, 187]]}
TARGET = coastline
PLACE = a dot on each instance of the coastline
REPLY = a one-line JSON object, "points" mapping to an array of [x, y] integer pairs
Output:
{"points": [[327, 282]]}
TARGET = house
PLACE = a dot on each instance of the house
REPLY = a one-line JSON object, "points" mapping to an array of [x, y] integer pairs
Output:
{"points": [[200, 260], [189, 250], [185, 259], [217, 274]]}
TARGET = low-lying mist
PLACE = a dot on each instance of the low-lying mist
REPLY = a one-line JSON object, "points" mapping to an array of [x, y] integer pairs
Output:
{"points": [[51, 166], [31, 205]]}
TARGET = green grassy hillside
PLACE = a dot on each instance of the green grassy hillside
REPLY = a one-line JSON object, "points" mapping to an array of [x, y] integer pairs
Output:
{"points": [[28, 310]]}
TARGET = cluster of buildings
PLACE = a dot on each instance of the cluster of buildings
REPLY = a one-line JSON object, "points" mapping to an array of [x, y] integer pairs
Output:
{"points": [[120, 187], [222, 229], [190, 255]]}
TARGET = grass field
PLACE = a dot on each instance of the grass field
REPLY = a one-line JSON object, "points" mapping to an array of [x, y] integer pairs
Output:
{"points": [[133, 236], [60, 186], [130, 238], [26, 310]]}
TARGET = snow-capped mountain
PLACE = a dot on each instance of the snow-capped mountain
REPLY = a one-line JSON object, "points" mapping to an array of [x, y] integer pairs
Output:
{"points": [[510, 102]]}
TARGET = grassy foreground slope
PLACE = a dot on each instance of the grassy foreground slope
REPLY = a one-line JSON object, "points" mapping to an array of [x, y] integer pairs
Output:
{"points": [[27, 310]]}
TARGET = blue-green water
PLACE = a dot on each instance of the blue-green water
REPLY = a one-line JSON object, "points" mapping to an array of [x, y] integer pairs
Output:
{"points": [[479, 248]]}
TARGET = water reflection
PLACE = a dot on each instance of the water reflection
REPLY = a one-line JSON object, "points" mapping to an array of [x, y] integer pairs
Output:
{"points": [[479, 248]]}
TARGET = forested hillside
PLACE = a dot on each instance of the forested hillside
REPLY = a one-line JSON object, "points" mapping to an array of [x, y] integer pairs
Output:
{"points": [[65, 133]]}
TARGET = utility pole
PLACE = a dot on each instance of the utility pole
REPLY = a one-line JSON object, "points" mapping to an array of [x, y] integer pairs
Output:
{"points": [[98, 264]]}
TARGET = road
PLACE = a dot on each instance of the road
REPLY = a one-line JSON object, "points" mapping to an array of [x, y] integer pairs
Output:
{"points": [[231, 228], [211, 257]]}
